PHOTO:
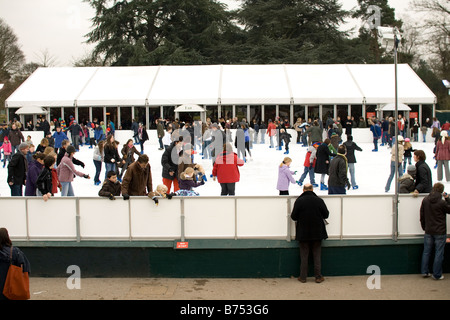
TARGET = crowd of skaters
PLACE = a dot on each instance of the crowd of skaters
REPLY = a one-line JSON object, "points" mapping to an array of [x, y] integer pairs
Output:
{"points": [[327, 154]]}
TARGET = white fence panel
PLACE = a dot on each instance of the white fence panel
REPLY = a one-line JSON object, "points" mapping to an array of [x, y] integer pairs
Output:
{"points": [[103, 218], [409, 216], [54, 219], [368, 217], [263, 218], [13, 217], [151, 221], [209, 218]]}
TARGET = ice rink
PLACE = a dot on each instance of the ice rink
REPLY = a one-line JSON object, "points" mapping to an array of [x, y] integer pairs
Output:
{"points": [[259, 175]]}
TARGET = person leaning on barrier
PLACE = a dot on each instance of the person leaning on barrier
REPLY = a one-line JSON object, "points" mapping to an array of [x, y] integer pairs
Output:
{"points": [[424, 182], [310, 213], [111, 188], [138, 178]]}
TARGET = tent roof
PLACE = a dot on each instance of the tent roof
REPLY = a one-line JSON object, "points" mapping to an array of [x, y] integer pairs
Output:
{"points": [[220, 84]]}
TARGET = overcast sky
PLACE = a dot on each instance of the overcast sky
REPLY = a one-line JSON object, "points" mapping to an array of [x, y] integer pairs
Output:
{"points": [[59, 26]]}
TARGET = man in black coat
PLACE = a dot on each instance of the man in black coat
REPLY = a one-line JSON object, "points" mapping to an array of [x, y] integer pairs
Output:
{"points": [[310, 213], [17, 170], [424, 182]]}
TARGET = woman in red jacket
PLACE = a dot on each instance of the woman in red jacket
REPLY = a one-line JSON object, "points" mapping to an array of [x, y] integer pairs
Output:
{"points": [[226, 170]]}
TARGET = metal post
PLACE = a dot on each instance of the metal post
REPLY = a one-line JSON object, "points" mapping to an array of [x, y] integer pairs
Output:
{"points": [[182, 220], [395, 221]]}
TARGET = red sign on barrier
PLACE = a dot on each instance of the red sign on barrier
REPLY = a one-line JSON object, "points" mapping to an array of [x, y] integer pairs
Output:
{"points": [[182, 245]]}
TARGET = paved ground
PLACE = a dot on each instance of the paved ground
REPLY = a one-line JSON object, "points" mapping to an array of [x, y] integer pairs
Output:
{"points": [[403, 287]]}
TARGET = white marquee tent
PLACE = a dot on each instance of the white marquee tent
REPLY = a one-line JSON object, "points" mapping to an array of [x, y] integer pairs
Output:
{"points": [[219, 85]]}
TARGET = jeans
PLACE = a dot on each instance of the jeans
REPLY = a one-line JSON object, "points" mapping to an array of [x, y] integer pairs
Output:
{"points": [[109, 167], [98, 169], [67, 189], [311, 175], [439, 244], [16, 190], [351, 168], [391, 176]]}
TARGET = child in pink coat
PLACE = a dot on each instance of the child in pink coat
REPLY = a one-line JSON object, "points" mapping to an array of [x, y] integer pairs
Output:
{"points": [[7, 149]]}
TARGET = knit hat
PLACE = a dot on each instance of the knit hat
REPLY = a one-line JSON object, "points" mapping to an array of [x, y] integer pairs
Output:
{"points": [[23, 145], [400, 139], [411, 169], [407, 140]]}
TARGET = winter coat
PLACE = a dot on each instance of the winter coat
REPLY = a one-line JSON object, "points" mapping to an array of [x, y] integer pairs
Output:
{"points": [[271, 129], [433, 214], [143, 136], [376, 131], [34, 169], [406, 183], [401, 152], [110, 188], [137, 180], [44, 182], [351, 147], [323, 155], [18, 259], [169, 162], [111, 153], [310, 158], [17, 169], [443, 150], [15, 137], [98, 134], [128, 153], [188, 183], [338, 171], [424, 182], [7, 148], [55, 181], [66, 170], [315, 134], [59, 137], [226, 167], [285, 175], [309, 212]]}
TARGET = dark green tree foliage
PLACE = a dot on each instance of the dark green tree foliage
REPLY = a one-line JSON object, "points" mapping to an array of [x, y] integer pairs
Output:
{"points": [[153, 32], [293, 31]]}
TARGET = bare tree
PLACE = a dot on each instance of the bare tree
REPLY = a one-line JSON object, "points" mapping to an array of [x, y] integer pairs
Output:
{"points": [[11, 56], [45, 59]]}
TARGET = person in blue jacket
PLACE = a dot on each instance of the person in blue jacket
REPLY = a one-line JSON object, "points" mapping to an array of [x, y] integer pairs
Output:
{"points": [[376, 131], [59, 137]]}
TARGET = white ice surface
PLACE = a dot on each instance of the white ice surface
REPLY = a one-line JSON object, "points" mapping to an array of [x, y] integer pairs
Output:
{"points": [[258, 176]]}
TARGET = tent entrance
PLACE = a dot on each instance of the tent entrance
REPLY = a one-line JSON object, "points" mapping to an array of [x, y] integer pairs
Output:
{"points": [[190, 113]]}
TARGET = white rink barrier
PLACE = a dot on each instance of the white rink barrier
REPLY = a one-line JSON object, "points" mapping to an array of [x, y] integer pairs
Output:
{"points": [[82, 219]]}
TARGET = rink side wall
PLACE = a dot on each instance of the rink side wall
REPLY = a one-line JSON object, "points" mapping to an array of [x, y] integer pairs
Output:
{"points": [[230, 237]]}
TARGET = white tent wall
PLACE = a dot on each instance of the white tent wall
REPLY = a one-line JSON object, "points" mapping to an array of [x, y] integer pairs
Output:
{"points": [[216, 85]]}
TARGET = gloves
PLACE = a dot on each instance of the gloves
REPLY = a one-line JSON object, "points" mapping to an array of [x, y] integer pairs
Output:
{"points": [[126, 197], [86, 176], [111, 197], [295, 172], [348, 185], [156, 200], [170, 195]]}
